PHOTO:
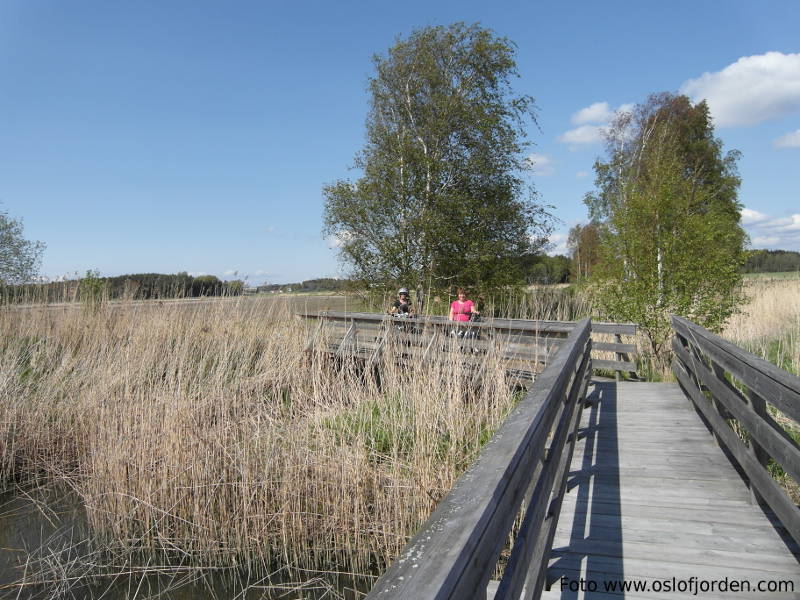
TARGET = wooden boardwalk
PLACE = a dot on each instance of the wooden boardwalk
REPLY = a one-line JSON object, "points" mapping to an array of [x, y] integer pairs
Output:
{"points": [[636, 490], [651, 496]]}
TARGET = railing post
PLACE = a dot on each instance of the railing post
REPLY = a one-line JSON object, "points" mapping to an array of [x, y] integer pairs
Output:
{"points": [[759, 406]]}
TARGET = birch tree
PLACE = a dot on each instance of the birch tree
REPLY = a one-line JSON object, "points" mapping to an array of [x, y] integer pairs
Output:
{"points": [[441, 200], [667, 197]]}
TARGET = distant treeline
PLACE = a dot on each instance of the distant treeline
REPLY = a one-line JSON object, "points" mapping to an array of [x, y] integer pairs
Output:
{"points": [[539, 269], [140, 286], [771, 261], [544, 269], [323, 284]]}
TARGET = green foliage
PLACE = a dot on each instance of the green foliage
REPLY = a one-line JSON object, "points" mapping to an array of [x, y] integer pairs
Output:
{"points": [[385, 426], [672, 242], [93, 290], [323, 284], [584, 243], [19, 257], [441, 201], [543, 269], [141, 286]]}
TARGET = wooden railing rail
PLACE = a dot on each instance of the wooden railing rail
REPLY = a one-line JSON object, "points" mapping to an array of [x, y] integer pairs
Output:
{"points": [[456, 551], [521, 331], [712, 371]]}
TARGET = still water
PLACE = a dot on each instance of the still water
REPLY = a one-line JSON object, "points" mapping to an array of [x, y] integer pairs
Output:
{"points": [[44, 554]]}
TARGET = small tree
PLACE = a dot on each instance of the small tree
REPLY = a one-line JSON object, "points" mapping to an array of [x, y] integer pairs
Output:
{"points": [[19, 258], [93, 290], [583, 242], [441, 200], [668, 200]]}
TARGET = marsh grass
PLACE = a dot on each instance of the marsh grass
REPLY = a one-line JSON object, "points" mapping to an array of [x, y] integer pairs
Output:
{"points": [[207, 435]]}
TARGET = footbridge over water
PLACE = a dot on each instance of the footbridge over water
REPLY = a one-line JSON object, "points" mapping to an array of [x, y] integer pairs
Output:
{"points": [[591, 485]]}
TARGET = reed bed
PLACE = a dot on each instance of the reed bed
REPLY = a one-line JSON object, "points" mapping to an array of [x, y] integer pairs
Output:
{"points": [[769, 324], [769, 327], [210, 434]]}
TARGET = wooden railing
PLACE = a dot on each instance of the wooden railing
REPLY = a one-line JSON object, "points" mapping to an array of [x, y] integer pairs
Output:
{"points": [[531, 341], [524, 468], [727, 385]]}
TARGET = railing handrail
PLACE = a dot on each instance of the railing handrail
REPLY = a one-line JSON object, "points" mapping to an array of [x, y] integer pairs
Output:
{"points": [[454, 553], [706, 364], [521, 325]]}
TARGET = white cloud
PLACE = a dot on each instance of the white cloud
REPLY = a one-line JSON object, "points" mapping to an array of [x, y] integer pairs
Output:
{"points": [[230, 272], [751, 90], [599, 112], [197, 273], [582, 136], [541, 164], [765, 240], [592, 123], [582, 174], [557, 244], [624, 108], [750, 217], [270, 229], [790, 223], [772, 232], [790, 140]]}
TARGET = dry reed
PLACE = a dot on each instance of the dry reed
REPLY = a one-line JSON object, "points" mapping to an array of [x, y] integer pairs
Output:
{"points": [[206, 433]]}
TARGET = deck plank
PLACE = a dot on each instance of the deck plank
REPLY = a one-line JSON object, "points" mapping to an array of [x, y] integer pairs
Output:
{"points": [[652, 496]]}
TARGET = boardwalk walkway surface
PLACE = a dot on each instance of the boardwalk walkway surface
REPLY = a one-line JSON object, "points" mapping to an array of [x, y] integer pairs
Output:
{"points": [[651, 496]]}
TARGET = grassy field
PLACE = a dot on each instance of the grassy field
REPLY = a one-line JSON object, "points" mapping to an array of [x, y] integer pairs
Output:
{"points": [[780, 275], [769, 323], [769, 327]]}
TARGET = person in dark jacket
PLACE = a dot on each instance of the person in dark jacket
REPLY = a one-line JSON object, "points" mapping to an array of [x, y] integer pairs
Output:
{"points": [[402, 306]]}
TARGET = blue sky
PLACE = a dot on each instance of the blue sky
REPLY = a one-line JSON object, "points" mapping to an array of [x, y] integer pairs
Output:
{"points": [[196, 136]]}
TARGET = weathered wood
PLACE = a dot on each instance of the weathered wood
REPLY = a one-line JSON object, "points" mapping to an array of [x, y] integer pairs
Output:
{"points": [[515, 347], [521, 339], [707, 534], [527, 549], [612, 365], [347, 339], [454, 553], [537, 579], [521, 325], [782, 448], [757, 449], [702, 364], [772, 493], [780, 388], [682, 519], [614, 347]]}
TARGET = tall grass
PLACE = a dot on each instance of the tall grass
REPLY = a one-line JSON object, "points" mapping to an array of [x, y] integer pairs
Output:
{"points": [[769, 324], [769, 327], [208, 433]]}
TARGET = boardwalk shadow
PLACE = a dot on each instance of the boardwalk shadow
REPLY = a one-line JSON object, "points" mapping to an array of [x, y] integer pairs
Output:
{"points": [[594, 552]]}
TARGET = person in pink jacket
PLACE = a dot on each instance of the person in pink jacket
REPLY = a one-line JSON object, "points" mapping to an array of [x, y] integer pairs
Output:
{"points": [[462, 309]]}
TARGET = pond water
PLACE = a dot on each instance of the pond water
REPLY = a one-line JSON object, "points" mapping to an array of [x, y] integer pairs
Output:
{"points": [[44, 554]]}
